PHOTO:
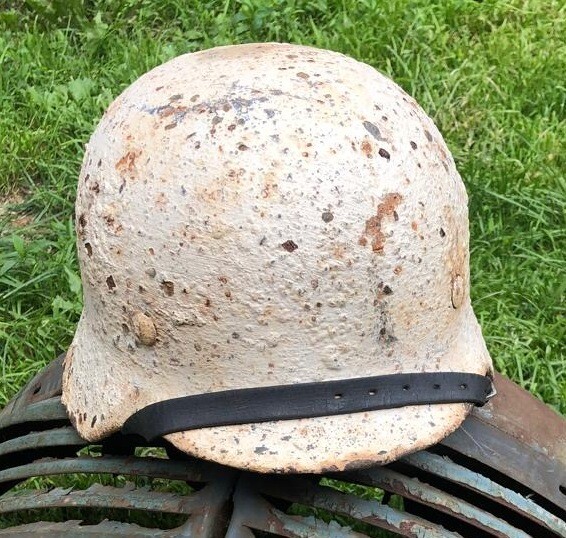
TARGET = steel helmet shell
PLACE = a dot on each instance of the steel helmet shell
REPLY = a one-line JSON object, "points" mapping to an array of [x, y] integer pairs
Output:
{"points": [[270, 214]]}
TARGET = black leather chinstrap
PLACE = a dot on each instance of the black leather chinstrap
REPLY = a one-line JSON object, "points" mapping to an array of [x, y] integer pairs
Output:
{"points": [[307, 400]]}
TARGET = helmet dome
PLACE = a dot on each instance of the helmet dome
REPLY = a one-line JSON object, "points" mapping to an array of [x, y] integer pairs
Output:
{"points": [[270, 214]]}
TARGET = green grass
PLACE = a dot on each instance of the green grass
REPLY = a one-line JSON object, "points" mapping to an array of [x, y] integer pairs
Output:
{"points": [[491, 74]]}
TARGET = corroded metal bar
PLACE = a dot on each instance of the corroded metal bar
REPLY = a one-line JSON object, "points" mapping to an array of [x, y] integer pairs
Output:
{"points": [[251, 511], [307, 527], [527, 446], [504, 454], [45, 385], [66, 436], [101, 496], [133, 466], [412, 488], [51, 409], [74, 529], [379, 515], [211, 518], [445, 468]]}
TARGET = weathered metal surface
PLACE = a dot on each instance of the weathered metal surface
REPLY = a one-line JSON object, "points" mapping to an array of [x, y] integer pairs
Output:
{"points": [[51, 409], [444, 468], [97, 495], [73, 529], [66, 436], [524, 423], [411, 488], [382, 516], [225, 502], [210, 519], [39, 400], [132, 466], [517, 435], [252, 511]]}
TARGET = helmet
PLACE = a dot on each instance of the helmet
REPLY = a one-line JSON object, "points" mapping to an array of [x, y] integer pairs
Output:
{"points": [[270, 216]]}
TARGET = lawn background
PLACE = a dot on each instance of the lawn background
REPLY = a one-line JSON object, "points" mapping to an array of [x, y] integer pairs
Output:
{"points": [[491, 74]]}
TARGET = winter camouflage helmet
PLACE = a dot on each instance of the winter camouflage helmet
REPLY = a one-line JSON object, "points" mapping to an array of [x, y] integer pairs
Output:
{"points": [[272, 216]]}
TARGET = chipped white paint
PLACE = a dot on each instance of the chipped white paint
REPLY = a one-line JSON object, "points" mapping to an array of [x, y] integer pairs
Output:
{"points": [[266, 214]]}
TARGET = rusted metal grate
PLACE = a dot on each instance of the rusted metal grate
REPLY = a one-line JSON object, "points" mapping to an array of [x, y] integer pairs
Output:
{"points": [[500, 474]]}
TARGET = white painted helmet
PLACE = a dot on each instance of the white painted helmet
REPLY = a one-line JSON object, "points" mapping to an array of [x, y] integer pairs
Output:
{"points": [[264, 217]]}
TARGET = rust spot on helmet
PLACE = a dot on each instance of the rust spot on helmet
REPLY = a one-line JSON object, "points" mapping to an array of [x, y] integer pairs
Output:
{"points": [[367, 149], [373, 225], [389, 204], [169, 110], [144, 328], [339, 251], [127, 163]]}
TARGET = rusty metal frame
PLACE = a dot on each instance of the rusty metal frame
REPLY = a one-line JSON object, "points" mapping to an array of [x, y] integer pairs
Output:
{"points": [[503, 473]]}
